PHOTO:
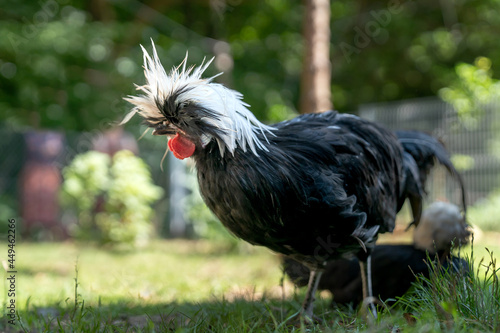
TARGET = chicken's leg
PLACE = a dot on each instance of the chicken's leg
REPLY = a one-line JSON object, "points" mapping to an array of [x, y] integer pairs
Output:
{"points": [[366, 281], [307, 306]]}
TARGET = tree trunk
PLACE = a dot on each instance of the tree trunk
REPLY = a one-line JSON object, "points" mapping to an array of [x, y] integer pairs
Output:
{"points": [[315, 95]]}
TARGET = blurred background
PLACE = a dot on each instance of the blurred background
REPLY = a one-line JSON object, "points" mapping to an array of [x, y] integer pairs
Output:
{"points": [[65, 66]]}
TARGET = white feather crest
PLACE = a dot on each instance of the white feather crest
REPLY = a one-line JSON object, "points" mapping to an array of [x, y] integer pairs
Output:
{"points": [[230, 113]]}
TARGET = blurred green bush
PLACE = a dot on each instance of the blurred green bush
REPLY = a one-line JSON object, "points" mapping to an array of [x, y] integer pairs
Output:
{"points": [[472, 89], [111, 198]]}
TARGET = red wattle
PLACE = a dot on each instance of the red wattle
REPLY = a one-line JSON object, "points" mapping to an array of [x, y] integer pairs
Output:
{"points": [[181, 147]]}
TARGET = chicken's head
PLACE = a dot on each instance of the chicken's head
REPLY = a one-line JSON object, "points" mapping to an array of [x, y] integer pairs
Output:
{"points": [[193, 111]]}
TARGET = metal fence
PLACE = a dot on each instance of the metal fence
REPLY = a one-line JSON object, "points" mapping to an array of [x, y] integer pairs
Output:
{"points": [[474, 146]]}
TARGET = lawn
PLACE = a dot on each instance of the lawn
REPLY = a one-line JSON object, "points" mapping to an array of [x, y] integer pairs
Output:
{"points": [[177, 285]]}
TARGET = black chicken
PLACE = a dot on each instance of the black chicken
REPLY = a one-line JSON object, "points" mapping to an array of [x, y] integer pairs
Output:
{"points": [[313, 188], [394, 267]]}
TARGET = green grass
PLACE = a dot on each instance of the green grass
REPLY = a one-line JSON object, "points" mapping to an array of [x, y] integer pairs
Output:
{"points": [[465, 299], [165, 271], [200, 286]]}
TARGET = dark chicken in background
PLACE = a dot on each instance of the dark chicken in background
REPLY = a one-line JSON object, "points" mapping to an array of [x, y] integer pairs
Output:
{"points": [[394, 267], [313, 188]]}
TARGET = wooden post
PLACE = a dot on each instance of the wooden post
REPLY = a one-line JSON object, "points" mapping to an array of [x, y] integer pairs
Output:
{"points": [[315, 94]]}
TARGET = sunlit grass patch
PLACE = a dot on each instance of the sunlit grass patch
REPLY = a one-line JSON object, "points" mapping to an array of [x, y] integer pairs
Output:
{"points": [[166, 271]]}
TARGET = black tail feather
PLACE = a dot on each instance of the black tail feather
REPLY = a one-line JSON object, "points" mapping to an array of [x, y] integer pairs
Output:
{"points": [[424, 151]]}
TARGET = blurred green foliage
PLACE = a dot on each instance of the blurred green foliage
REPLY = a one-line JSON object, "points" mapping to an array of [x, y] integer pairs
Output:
{"points": [[68, 64], [462, 162], [111, 198], [472, 89], [7, 211]]}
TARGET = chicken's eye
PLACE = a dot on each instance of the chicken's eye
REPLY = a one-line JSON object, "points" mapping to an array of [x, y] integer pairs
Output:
{"points": [[163, 129]]}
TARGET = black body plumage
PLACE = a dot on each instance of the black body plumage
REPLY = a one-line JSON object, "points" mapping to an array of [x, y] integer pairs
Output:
{"points": [[327, 182], [421, 151]]}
